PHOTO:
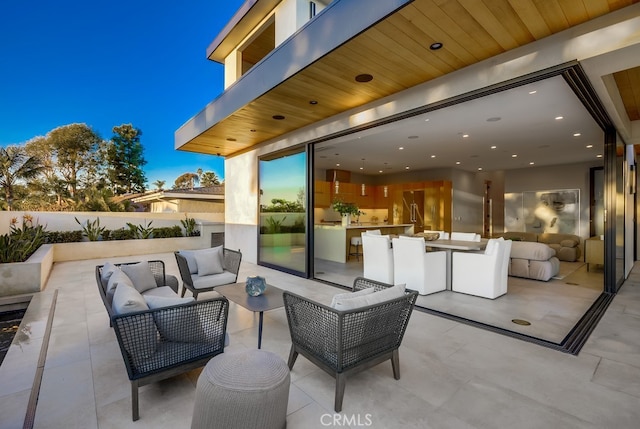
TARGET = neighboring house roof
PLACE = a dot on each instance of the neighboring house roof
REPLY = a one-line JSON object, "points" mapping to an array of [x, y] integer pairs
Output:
{"points": [[211, 193], [313, 75]]}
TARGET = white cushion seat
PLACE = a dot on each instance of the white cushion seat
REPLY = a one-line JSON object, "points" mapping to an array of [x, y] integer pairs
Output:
{"points": [[212, 280]]}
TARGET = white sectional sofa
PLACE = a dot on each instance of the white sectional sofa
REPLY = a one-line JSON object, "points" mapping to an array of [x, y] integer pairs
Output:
{"points": [[533, 261]]}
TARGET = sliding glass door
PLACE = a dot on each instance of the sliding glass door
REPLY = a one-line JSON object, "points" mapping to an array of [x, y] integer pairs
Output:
{"points": [[283, 212]]}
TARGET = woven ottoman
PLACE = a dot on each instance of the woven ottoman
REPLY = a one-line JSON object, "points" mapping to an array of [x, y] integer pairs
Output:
{"points": [[248, 389]]}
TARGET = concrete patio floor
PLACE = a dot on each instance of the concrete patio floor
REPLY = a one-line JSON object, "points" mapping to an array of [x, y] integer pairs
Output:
{"points": [[453, 375]]}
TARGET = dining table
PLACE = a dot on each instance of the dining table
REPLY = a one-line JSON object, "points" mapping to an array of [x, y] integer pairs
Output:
{"points": [[458, 245]]}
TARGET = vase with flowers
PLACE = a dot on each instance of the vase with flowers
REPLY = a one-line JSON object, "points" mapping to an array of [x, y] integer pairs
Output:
{"points": [[346, 210]]}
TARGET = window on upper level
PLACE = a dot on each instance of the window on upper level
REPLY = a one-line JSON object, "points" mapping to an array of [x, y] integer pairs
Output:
{"points": [[256, 48]]}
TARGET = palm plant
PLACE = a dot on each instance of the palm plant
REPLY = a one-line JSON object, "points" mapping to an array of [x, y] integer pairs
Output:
{"points": [[16, 165]]}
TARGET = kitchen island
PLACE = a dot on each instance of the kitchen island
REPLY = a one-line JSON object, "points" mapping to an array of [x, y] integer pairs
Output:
{"points": [[331, 242]]}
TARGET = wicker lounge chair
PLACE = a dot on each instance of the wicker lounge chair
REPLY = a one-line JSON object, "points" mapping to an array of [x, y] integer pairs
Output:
{"points": [[346, 342], [197, 282]]}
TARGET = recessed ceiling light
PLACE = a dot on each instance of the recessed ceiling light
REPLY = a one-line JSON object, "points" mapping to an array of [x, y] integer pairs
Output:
{"points": [[559, 117], [531, 163], [364, 77], [278, 117], [457, 162], [494, 119], [599, 155], [532, 92], [338, 165], [400, 148], [426, 120], [465, 136], [407, 167], [493, 147], [433, 156], [589, 146], [435, 46], [514, 156], [379, 171], [577, 134], [412, 137], [479, 168]]}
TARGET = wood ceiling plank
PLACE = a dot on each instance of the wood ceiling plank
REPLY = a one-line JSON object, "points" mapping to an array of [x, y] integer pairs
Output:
{"points": [[488, 45], [511, 21], [531, 17], [485, 17], [552, 14], [574, 10], [596, 8]]}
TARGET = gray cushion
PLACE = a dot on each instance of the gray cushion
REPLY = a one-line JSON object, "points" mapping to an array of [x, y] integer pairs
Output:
{"points": [[163, 301], [349, 295], [191, 260], [114, 280], [162, 291], [370, 299], [568, 243], [141, 275], [533, 251], [107, 270], [209, 261], [189, 330], [204, 282], [127, 299]]}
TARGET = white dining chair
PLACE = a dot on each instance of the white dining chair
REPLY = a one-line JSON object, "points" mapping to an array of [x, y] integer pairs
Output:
{"points": [[482, 274], [372, 232], [465, 236], [420, 270], [377, 258]]}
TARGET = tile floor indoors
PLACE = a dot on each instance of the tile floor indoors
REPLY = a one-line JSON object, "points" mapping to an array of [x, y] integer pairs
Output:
{"points": [[453, 375]]}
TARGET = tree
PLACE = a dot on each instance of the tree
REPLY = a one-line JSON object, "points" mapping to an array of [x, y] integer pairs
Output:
{"points": [[186, 181], [125, 159], [16, 165], [209, 178], [75, 148], [159, 184]]}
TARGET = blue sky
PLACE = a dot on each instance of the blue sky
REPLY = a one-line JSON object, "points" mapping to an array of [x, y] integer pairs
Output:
{"points": [[108, 63]]}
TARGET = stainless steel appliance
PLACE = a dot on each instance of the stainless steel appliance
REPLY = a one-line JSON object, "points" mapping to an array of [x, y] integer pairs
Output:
{"points": [[413, 209]]}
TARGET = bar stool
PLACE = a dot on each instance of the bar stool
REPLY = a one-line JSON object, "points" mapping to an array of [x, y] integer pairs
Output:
{"points": [[357, 242]]}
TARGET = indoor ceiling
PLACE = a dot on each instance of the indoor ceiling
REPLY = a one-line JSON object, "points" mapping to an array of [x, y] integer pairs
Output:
{"points": [[471, 31], [538, 124]]}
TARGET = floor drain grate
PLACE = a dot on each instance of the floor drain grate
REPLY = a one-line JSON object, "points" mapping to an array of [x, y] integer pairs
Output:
{"points": [[573, 284], [521, 322]]}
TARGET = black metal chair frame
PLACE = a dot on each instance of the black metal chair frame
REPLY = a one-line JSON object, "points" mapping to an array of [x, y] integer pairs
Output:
{"points": [[232, 259], [343, 343]]}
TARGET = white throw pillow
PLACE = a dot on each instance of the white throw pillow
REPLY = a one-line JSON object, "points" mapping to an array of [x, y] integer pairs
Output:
{"points": [[349, 295], [114, 280], [371, 299], [127, 299], [163, 301], [141, 275], [210, 261]]}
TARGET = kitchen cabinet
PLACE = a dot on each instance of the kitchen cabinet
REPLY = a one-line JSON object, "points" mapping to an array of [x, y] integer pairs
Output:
{"points": [[322, 196]]}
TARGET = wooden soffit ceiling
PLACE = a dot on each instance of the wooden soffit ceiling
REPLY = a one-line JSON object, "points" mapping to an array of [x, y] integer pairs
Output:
{"points": [[628, 82], [396, 53]]}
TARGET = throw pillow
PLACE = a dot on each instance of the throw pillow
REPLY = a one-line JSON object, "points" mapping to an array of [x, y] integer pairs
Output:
{"points": [[114, 280], [191, 260], [387, 294], [162, 301], [210, 261], [141, 275], [348, 295], [107, 270], [181, 324], [127, 299]]}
